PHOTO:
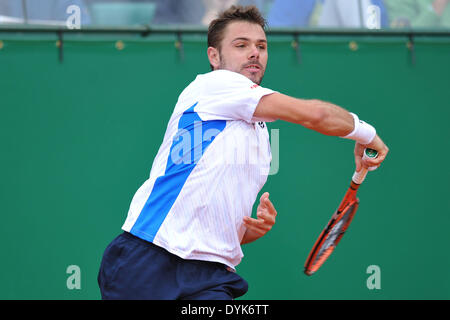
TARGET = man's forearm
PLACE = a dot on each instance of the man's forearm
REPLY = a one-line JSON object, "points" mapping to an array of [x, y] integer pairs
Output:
{"points": [[334, 120], [317, 115]]}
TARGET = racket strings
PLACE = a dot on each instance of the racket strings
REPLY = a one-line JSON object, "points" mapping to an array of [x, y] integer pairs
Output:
{"points": [[333, 237]]}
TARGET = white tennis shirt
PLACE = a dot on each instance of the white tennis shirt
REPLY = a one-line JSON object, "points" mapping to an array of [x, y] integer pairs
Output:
{"points": [[213, 161]]}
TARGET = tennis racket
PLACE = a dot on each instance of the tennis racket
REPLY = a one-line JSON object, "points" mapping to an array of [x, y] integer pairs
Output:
{"points": [[339, 222]]}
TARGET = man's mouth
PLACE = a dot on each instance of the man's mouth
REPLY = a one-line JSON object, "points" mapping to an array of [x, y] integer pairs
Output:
{"points": [[254, 67]]}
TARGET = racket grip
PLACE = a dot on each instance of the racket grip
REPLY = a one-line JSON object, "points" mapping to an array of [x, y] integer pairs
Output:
{"points": [[358, 177]]}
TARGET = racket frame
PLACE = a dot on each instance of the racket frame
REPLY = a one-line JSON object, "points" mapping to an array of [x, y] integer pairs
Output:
{"points": [[350, 199]]}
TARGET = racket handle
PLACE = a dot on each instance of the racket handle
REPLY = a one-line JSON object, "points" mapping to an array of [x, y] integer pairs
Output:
{"points": [[358, 177]]}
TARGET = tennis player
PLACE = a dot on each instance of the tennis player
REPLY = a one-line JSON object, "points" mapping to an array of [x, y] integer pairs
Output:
{"points": [[185, 226]]}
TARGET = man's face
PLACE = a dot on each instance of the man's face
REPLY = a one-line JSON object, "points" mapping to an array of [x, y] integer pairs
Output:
{"points": [[243, 50]]}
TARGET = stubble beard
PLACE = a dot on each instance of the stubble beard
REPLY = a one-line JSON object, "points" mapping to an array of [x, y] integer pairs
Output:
{"points": [[255, 79]]}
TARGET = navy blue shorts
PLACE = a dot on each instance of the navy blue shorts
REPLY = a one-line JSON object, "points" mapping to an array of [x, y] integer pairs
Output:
{"points": [[133, 268]]}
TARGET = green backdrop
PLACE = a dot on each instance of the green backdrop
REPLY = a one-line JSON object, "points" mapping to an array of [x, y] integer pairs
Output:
{"points": [[78, 137]]}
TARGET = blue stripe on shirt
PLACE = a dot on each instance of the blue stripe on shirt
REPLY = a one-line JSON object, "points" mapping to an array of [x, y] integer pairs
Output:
{"points": [[188, 146]]}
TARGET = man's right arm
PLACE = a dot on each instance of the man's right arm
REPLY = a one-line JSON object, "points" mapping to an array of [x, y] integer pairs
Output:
{"points": [[320, 116]]}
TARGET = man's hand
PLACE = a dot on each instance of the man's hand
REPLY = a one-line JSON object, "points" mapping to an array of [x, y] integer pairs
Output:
{"points": [[377, 145], [266, 214]]}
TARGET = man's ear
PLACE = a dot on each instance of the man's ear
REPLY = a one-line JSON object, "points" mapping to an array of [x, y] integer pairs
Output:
{"points": [[213, 57]]}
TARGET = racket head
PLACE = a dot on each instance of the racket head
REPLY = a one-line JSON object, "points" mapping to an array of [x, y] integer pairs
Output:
{"points": [[330, 236]]}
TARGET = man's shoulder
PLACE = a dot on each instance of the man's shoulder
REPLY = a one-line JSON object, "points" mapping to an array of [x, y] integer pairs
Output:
{"points": [[221, 75], [217, 80]]}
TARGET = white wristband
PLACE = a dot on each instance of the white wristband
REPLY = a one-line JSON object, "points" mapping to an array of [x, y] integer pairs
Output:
{"points": [[363, 132]]}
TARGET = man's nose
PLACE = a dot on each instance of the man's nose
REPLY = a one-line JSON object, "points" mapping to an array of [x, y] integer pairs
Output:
{"points": [[254, 52]]}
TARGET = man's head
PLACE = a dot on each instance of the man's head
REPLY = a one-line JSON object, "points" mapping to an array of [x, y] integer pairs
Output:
{"points": [[237, 42]]}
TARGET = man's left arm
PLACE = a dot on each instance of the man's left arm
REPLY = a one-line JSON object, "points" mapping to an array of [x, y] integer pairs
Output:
{"points": [[256, 228]]}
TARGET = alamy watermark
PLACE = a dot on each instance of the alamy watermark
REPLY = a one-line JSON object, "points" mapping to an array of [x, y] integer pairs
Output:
{"points": [[73, 281], [374, 280], [188, 147], [373, 17], [74, 19]]}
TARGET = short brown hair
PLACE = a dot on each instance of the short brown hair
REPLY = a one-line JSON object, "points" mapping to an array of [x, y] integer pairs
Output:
{"points": [[234, 13]]}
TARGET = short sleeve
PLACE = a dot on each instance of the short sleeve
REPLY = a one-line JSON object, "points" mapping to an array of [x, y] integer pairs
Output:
{"points": [[228, 95]]}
